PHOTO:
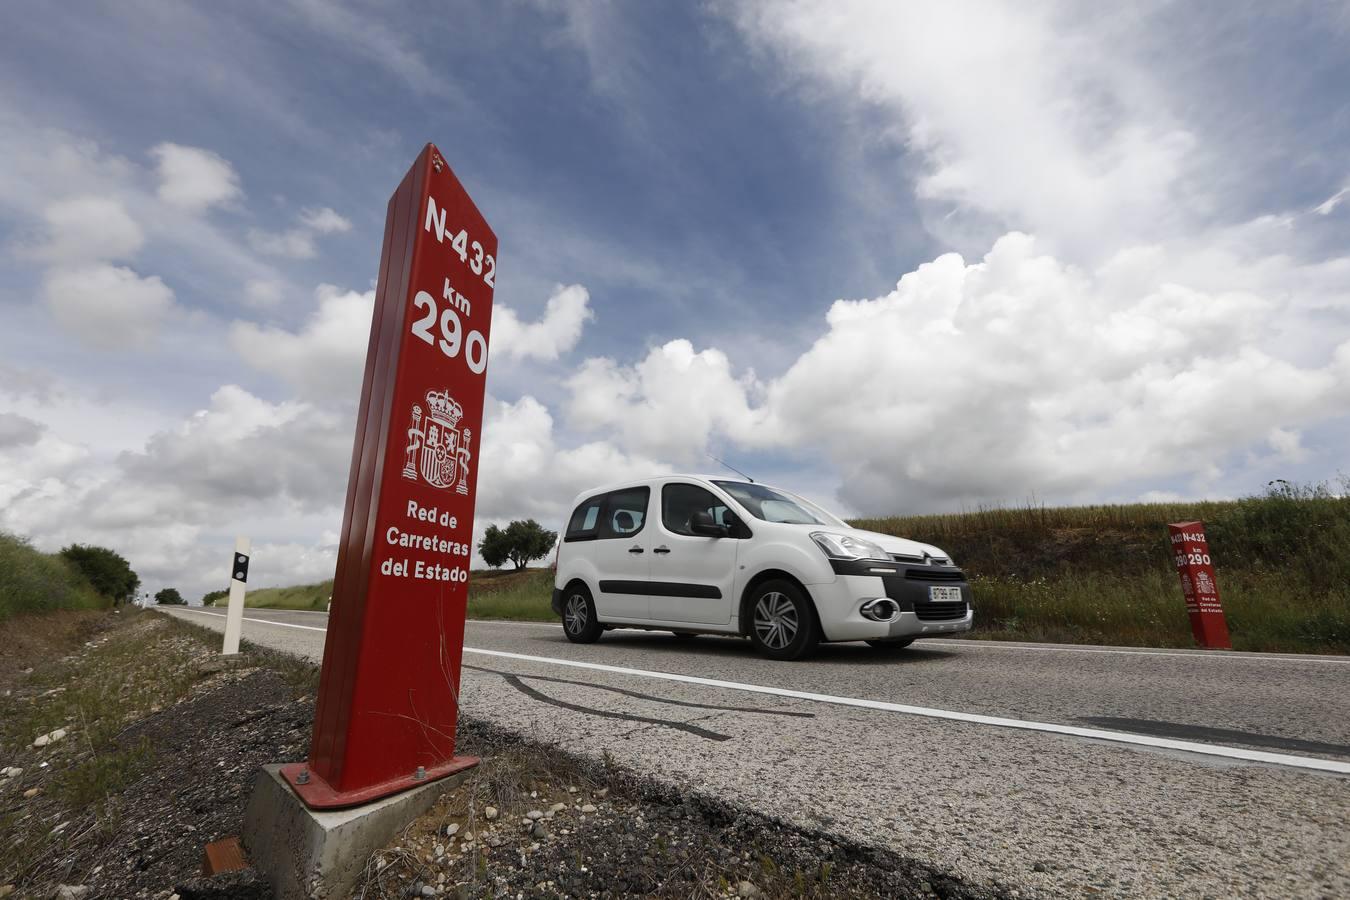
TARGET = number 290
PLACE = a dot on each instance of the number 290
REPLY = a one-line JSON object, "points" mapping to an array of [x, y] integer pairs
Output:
{"points": [[452, 337]]}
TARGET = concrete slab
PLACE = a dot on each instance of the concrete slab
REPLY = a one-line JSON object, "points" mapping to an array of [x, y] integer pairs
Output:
{"points": [[320, 855]]}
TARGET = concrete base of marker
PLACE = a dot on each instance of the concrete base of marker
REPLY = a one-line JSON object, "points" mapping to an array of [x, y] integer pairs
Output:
{"points": [[305, 853]]}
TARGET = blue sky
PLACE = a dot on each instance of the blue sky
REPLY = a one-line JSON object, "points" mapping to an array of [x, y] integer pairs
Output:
{"points": [[1150, 298]]}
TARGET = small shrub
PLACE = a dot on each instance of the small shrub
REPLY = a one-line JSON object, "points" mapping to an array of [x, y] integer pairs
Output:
{"points": [[107, 571]]}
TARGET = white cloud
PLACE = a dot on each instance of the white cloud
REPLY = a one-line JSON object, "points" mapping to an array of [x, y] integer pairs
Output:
{"points": [[194, 179], [1023, 116], [1287, 445], [1019, 375], [1012, 376], [524, 472], [87, 227], [1328, 206], [18, 431], [273, 470], [293, 243], [324, 221], [565, 315], [241, 465], [370, 39], [73, 203], [299, 242], [107, 306], [326, 358], [243, 448], [669, 404], [31, 471], [262, 293]]}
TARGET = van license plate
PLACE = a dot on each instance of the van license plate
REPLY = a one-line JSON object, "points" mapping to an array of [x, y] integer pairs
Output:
{"points": [[944, 594]]}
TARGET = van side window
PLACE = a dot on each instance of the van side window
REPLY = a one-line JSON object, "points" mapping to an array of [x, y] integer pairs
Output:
{"points": [[582, 525], [625, 512], [679, 502]]}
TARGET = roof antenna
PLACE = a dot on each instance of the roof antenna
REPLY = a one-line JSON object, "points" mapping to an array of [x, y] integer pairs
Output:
{"points": [[732, 468]]}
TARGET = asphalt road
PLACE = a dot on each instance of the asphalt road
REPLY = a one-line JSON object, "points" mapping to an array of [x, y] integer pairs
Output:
{"points": [[1048, 768]]}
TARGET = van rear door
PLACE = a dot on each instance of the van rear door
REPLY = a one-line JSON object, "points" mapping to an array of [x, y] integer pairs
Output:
{"points": [[621, 555]]}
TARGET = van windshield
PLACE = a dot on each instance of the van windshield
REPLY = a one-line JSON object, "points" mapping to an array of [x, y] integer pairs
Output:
{"points": [[773, 505]]}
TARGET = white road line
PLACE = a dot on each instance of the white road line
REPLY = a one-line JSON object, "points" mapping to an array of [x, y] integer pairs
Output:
{"points": [[1118, 737], [1226, 656], [202, 612], [1192, 654]]}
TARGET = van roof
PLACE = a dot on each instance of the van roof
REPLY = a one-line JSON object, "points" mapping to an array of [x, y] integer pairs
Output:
{"points": [[652, 479]]}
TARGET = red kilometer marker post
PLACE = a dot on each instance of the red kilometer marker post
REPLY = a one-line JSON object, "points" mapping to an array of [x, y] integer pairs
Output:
{"points": [[389, 692], [1190, 549]]}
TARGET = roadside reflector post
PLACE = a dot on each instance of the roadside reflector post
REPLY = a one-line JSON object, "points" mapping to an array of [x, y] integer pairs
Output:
{"points": [[1199, 585], [234, 615], [388, 700]]}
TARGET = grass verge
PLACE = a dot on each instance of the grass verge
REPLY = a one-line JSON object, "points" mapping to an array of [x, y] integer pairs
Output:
{"points": [[493, 594], [92, 681], [1104, 574], [302, 596], [32, 581], [162, 738], [519, 596]]}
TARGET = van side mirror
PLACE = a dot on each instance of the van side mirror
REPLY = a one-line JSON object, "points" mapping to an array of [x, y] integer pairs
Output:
{"points": [[701, 523]]}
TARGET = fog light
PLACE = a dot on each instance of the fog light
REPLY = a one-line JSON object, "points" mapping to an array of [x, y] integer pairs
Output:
{"points": [[883, 609]]}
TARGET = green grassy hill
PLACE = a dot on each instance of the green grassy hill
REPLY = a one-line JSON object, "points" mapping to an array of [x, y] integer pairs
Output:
{"points": [[32, 581], [1104, 574]]}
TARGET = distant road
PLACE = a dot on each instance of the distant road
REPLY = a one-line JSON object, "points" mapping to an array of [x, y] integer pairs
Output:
{"points": [[1061, 768]]}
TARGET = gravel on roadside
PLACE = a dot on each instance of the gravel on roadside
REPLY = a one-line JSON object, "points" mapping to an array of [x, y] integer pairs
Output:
{"points": [[534, 821]]}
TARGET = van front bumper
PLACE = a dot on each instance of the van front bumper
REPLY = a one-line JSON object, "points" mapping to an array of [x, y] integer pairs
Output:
{"points": [[840, 602], [557, 602]]}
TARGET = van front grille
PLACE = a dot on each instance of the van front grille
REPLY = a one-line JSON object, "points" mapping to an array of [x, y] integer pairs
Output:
{"points": [[935, 575], [937, 612]]}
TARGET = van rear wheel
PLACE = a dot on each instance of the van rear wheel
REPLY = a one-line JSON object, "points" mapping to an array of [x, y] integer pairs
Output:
{"points": [[782, 621], [579, 622]]}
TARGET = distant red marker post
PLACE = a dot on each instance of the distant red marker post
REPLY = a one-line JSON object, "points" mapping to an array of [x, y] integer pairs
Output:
{"points": [[388, 695], [1200, 587]]}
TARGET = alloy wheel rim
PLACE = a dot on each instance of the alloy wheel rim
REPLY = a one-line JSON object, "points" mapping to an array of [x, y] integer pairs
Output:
{"points": [[575, 617], [776, 622]]}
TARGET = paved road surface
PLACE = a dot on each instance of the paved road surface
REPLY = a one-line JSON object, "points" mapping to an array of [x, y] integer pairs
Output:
{"points": [[1048, 768]]}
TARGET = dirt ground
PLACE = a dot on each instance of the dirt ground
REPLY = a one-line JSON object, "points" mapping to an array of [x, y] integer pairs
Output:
{"points": [[163, 738], [27, 640]]}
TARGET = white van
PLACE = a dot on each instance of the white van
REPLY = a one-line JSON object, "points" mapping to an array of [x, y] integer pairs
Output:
{"points": [[699, 555]]}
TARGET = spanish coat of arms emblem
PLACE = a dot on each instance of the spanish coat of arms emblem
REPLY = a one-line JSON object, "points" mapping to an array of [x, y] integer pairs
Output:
{"points": [[438, 451]]}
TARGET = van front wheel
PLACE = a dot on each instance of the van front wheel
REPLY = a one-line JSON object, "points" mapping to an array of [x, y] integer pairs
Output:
{"points": [[782, 622], [579, 622]]}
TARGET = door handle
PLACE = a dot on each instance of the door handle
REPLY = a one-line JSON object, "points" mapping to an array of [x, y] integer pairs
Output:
{"points": [[635, 550], [661, 550]]}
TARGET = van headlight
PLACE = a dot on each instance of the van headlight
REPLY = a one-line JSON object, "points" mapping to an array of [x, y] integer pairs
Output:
{"points": [[846, 546]]}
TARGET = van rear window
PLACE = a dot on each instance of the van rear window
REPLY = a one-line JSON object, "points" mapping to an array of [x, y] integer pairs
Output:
{"points": [[582, 525]]}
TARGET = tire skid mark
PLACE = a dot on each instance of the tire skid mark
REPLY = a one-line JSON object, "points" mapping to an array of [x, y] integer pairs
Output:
{"points": [[518, 684], [1157, 728], [651, 697]]}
